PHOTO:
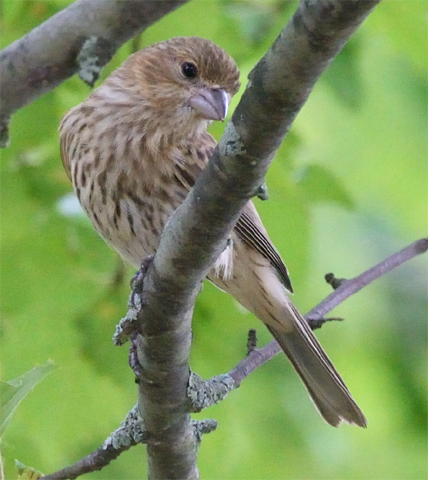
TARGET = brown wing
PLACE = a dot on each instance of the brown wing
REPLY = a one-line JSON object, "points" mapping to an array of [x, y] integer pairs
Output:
{"points": [[249, 227], [64, 145], [256, 237]]}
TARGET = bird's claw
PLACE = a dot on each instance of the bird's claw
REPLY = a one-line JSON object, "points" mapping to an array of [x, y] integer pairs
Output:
{"points": [[137, 282], [129, 325], [134, 362]]}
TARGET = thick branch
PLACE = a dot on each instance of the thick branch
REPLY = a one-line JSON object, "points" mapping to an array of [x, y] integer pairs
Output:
{"points": [[197, 233], [52, 52]]}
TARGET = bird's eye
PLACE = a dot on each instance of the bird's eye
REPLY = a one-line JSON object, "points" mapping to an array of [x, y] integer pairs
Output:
{"points": [[190, 70]]}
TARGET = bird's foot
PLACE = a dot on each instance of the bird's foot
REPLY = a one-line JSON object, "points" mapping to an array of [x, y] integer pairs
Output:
{"points": [[134, 363], [136, 284], [129, 324]]}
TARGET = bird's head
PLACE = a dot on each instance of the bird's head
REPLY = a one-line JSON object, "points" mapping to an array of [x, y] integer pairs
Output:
{"points": [[184, 81]]}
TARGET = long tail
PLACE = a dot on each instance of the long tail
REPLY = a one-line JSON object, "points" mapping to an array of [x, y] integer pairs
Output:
{"points": [[252, 271], [325, 386]]}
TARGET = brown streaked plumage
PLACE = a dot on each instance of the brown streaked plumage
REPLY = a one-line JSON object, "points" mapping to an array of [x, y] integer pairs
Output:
{"points": [[133, 150]]}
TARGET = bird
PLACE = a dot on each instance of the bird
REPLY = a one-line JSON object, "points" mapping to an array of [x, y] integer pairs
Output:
{"points": [[133, 150]]}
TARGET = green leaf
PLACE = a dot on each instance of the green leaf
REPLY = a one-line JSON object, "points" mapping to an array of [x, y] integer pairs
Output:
{"points": [[320, 185], [344, 75], [13, 392], [27, 473]]}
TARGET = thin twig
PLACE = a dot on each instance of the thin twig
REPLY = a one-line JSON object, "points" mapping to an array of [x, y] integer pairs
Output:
{"points": [[131, 432], [351, 286], [96, 460], [259, 356]]}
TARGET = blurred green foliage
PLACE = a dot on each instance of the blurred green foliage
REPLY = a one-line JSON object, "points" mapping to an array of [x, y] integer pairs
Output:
{"points": [[13, 393], [348, 188]]}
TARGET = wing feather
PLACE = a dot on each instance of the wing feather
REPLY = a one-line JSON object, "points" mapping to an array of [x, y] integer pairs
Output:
{"points": [[252, 235], [249, 227]]}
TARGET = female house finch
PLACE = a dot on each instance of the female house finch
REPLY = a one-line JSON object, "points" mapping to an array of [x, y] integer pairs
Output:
{"points": [[133, 150]]}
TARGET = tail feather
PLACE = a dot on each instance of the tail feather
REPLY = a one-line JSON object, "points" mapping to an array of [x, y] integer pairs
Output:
{"points": [[257, 283], [324, 384]]}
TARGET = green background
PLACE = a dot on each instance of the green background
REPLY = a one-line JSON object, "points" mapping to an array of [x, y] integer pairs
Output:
{"points": [[347, 188]]}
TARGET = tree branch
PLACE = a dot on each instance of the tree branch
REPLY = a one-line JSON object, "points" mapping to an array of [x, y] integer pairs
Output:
{"points": [[84, 39], [205, 393], [130, 433], [349, 287], [258, 357], [81, 38]]}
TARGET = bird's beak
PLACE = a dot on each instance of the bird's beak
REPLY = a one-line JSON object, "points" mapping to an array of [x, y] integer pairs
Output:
{"points": [[210, 103]]}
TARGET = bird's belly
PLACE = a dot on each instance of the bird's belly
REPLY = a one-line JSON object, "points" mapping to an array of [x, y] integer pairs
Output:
{"points": [[132, 226]]}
